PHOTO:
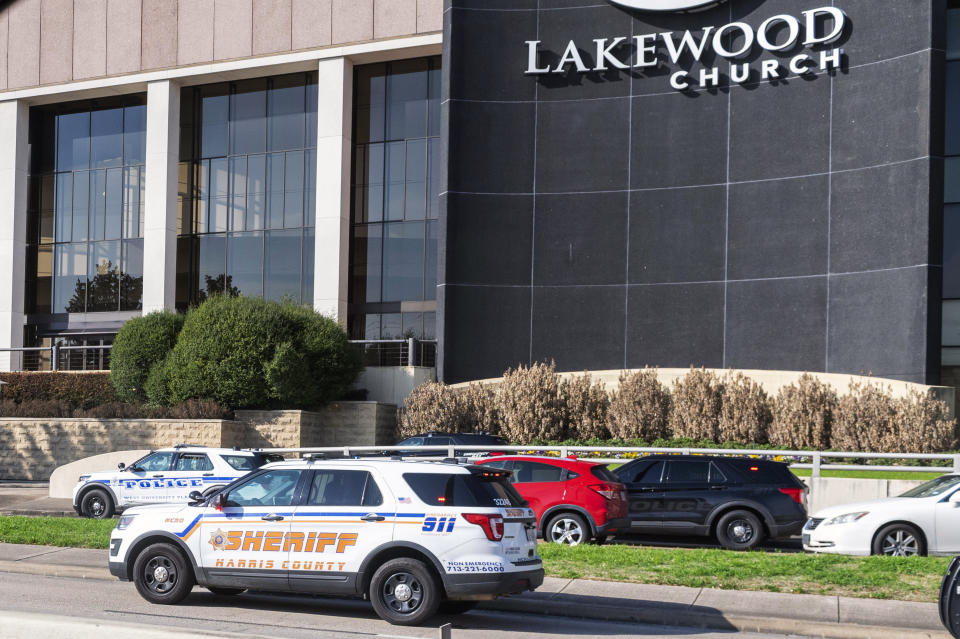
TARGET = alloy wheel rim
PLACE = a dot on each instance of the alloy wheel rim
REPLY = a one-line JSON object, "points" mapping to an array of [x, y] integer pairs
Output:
{"points": [[900, 543], [402, 593], [740, 530], [566, 531], [160, 575], [97, 506]]}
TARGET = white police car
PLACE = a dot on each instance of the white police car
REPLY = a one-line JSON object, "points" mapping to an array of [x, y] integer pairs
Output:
{"points": [[164, 476], [411, 536]]}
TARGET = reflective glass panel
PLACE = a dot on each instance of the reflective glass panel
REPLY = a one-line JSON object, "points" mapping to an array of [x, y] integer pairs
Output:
{"points": [[73, 141], [403, 263], [245, 263], [106, 138], [282, 268], [248, 117]]}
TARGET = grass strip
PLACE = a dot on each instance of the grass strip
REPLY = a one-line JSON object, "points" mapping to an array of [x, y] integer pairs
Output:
{"points": [[872, 474], [908, 579]]}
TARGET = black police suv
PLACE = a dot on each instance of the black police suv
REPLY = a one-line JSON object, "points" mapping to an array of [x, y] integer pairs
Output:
{"points": [[447, 439], [738, 500]]}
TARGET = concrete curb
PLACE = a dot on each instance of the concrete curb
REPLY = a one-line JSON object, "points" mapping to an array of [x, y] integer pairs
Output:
{"points": [[38, 513], [636, 611]]}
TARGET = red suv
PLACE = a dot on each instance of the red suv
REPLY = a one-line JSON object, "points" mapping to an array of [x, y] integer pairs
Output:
{"points": [[575, 501]]}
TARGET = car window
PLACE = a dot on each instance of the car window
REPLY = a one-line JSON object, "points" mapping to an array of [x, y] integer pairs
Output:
{"points": [[272, 488], [193, 462], [154, 462], [442, 489], [504, 464], [241, 462], [437, 441], [602, 472], [525, 472], [412, 441], [934, 487], [716, 475], [687, 472], [649, 475], [344, 488]]}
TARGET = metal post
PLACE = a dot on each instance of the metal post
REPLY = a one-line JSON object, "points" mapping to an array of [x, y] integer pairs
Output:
{"points": [[411, 352], [450, 451], [956, 463], [54, 357], [563, 451], [815, 471], [446, 631]]}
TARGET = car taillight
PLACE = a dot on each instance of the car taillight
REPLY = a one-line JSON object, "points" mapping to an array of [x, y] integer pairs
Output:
{"points": [[492, 524], [796, 494], [610, 491]]}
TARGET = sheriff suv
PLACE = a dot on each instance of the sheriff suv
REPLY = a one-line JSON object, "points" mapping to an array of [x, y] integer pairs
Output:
{"points": [[413, 537], [164, 476]]}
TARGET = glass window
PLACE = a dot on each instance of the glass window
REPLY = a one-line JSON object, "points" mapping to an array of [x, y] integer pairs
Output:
{"points": [[248, 117], [106, 138], [462, 489], [73, 141], [288, 113], [951, 323], [245, 263], [282, 269], [240, 462], [534, 472], [135, 134], [154, 462], [70, 279], [934, 487], [344, 488], [403, 263], [194, 462], [716, 475], [647, 475], [687, 471], [271, 488]]}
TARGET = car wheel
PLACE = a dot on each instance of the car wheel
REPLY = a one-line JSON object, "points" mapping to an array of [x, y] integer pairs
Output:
{"points": [[739, 530], [455, 607], [97, 504], [899, 540], [569, 529], [226, 592], [161, 574], [404, 592]]}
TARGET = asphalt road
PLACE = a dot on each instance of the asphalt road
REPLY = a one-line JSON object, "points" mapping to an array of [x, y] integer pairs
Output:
{"points": [[33, 606]]}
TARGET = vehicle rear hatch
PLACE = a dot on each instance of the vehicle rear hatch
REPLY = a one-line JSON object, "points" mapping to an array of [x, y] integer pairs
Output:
{"points": [[519, 521]]}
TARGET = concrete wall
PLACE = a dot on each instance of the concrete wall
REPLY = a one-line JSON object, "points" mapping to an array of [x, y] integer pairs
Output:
{"points": [[392, 384], [33, 448], [833, 491], [53, 41]]}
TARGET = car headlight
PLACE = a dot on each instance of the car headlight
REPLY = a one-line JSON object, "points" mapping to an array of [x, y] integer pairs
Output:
{"points": [[83, 478], [849, 518], [125, 522]]}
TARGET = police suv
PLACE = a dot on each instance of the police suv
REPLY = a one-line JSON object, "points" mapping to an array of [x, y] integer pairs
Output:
{"points": [[164, 476], [413, 537]]}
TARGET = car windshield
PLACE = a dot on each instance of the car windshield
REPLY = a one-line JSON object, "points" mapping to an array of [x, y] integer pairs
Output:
{"points": [[934, 487]]}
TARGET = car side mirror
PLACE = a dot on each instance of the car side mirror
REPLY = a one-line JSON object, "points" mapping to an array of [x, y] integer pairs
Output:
{"points": [[121, 466], [196, 497]]}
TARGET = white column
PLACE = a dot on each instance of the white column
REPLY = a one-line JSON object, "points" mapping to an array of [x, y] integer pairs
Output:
{"points": [[160, 215], [14, 155], [334, 147]]}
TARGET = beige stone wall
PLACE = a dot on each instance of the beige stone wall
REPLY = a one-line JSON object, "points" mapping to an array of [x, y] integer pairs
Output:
{"points": [[33, 448], [54, 41]]}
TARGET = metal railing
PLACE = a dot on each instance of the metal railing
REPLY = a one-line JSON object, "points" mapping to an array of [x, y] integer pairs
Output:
{"points": [[612, 454], [397, 352], [61, 358]]}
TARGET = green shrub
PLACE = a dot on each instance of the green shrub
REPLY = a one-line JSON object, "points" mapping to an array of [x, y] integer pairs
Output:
{"points": [[75, 389], [252, 353], [697, 402], [745, 415], [803, 414], [640, 407], [140, 345]]}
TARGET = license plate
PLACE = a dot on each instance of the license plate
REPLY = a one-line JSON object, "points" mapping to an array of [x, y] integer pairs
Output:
{"points": [[531, 534], [806, 540]]}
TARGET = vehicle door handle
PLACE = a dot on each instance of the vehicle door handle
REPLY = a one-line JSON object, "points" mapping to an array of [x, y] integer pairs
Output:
{"points": [[208, 474], [718, 488], [372, 517], [156, 475], [272, 518]]}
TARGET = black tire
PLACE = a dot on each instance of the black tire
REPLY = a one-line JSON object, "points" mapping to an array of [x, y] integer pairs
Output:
{"points": [[899, 540], [456, 607], [97, 504], [226, 592], [404, 592], [739, 530], [599, 540], [162, 574], [568, 529]]}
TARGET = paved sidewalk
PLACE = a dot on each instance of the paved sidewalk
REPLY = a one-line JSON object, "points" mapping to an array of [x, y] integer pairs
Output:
{"points": [[31, 498], [813, 615]]}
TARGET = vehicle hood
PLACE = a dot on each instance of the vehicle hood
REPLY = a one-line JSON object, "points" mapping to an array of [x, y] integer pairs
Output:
{"points": [[100, 476], [155, 509], [889, 503]]}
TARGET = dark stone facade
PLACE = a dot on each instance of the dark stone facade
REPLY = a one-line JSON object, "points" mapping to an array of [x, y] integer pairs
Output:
{"points": [[606, 220]]}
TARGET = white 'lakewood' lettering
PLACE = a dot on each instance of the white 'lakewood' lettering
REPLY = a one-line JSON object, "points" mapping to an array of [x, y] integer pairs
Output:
{"points": [[778, 33]]}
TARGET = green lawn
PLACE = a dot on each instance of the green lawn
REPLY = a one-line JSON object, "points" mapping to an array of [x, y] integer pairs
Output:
{"points": [[913, 579]]}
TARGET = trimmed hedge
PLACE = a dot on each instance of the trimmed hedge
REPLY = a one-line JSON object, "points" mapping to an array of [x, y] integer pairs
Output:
{"points": [[141, 343], [74, 389], [196, 409]]}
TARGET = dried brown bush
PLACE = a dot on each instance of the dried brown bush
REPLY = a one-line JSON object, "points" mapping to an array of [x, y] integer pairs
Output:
{"points": [[640, 407], [479, 406], [745, 415], [530, 404], [696, 404], [923, 425], [432, 406], [864, 420], [803, 414], [586, 406]]}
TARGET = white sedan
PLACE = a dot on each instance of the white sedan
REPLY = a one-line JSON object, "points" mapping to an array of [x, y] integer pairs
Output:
{"points": [[923, 520]]}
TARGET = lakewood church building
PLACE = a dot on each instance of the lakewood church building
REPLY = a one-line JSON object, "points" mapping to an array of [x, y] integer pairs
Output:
{"points": [[610, 184]]}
